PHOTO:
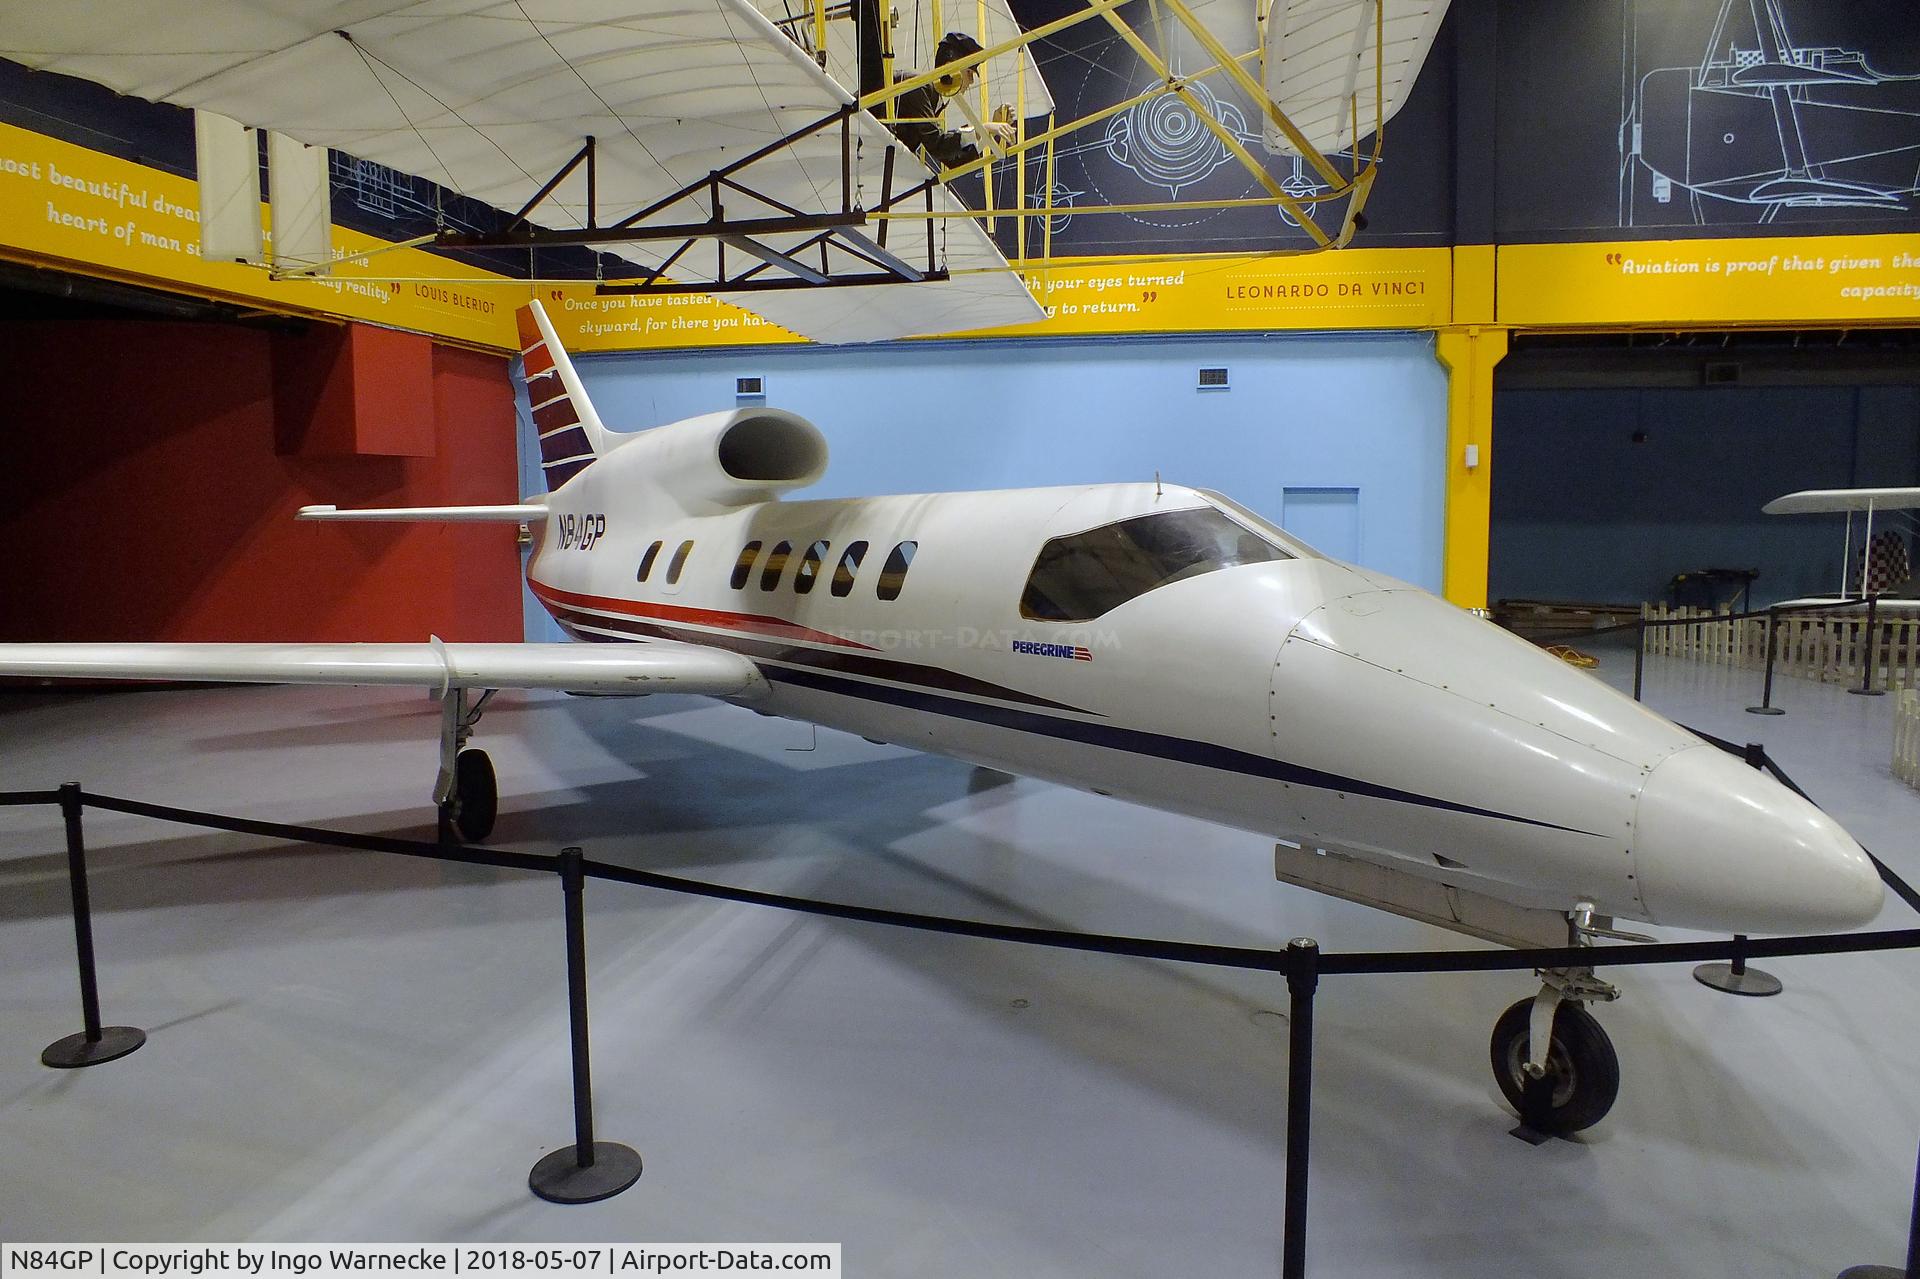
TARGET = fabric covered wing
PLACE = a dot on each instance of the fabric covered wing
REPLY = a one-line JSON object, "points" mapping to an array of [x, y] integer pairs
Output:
{"points": [[1322, 55], [653, 667], [491, 99], [1820, 501]]}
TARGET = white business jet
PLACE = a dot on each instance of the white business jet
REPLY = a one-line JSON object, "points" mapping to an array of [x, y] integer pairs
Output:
{"points": [[1153, 642]]}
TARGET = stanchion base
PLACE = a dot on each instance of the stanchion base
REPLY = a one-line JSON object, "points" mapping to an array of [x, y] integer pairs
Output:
{"points": [[1765, 710], [1868, 692], [1751, 982], [1873, 1272], [77, 1050], [560, 1179]]}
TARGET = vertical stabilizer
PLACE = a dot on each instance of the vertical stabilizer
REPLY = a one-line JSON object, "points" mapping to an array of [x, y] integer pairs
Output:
{"points": [[571, 435]]}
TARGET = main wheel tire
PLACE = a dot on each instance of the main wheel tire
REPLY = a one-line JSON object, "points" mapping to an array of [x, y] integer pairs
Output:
{"points": [[1581, 1065], [477, 799]]}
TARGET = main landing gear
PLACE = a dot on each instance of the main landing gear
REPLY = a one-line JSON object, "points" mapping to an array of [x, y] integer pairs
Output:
{"points": [[1553, 1062], [466, 792]]}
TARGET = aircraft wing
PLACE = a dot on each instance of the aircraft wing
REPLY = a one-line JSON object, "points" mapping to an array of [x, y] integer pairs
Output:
{"points": [[662, 666], [1820, 501], [493, 99], [1323, 55], [1013, 78]]}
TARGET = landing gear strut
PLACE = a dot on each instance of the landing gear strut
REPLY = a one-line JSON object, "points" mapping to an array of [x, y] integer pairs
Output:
{"points": [[1553, 1062], [468, 797]]}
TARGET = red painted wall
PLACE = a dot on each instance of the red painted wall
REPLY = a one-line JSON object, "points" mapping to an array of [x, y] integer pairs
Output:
{"points": [[147, 492]]}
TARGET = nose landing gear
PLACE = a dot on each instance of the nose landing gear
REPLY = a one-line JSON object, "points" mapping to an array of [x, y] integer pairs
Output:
{"points": [[1553, 1062], [466, 791]]}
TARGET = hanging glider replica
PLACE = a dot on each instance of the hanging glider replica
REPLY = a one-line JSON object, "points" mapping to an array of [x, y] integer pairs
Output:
{"points": [[718, 146], [1158, 643]]}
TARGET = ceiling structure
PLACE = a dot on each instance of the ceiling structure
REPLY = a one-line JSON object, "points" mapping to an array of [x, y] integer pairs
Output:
{"points": [[701, 144]]}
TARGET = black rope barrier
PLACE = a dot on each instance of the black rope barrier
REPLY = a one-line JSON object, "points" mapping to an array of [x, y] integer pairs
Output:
{"points": [[446, 852], [1201, 953], [593, 1169]]}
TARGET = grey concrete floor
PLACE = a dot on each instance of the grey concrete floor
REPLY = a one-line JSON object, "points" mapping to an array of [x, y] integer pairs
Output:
{"points": [[357, 1046]]}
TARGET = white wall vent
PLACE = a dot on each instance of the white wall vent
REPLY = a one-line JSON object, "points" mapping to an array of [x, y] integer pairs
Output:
{"points": [[1213, 380]]}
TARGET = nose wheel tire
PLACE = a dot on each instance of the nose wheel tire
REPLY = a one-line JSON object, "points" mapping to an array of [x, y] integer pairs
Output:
{"points": [[477, 797], [1581, 1066]]}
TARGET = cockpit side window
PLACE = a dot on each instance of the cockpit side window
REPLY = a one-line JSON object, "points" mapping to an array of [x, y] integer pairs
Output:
{"points": [[1084, 575]]}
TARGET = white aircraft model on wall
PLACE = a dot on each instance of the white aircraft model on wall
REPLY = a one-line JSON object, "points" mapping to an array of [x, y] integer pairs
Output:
{"points": [[1157, 643]]}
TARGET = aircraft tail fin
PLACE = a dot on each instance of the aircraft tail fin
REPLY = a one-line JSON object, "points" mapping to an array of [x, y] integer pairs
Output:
{"points": [[571, 434]]}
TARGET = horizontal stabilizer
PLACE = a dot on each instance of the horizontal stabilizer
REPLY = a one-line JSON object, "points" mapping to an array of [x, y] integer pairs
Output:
{"points": [[519, 513], [654, 667], [1820, 501], [1458, 910]]}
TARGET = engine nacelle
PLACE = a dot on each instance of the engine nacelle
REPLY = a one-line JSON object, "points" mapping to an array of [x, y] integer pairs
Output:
{"points": [[718, 461]]}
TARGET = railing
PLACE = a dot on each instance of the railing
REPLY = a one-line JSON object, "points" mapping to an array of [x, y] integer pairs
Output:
{"points": [[591, 1170], [1906, 738], [1832, 650]]}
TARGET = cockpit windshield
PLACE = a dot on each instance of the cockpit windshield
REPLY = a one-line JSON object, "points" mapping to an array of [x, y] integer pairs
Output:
{"points": [[1083, 575]]}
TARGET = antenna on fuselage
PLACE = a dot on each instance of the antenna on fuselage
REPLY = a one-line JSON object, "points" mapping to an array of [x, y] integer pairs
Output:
{"points": [[1156, 485]]}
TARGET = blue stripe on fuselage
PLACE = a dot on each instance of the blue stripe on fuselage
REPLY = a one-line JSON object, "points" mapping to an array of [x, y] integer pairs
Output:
{"points": [[1135, 741]]}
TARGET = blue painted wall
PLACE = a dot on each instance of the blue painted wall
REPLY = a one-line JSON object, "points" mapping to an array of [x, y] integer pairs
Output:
{"points": [[1581, 512], [1322, 412]]}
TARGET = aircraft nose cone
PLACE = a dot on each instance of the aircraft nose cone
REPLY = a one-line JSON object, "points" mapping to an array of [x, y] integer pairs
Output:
{"points": [[1723, 846]]}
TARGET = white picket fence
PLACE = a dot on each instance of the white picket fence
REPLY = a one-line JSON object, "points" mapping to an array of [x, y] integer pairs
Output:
{"points": [[1906, 738], [1817, 646]]}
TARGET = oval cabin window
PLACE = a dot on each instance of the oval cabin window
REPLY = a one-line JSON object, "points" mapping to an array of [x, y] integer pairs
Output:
{"points": [[893, 574], [809, 571]]}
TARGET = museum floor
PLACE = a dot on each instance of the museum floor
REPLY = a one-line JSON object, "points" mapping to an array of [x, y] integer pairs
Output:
{"points": [[355, 1046]]}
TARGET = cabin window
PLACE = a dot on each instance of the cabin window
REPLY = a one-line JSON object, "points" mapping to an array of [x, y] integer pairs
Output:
{"points": [[1083, 575], [809, 571], [893, 574], [646, 562], [743, 567], [678, 562], [849, 565], [776, 565]]}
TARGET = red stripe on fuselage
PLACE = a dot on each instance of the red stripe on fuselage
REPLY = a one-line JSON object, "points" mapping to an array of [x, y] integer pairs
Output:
{"points": [[746, 623]]}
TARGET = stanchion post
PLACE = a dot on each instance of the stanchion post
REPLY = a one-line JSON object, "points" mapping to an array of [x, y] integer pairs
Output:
{"points": [[1870, 653], [590, 1170], [1734, 977], [1303, 978], [1913, 1229], [1766, 706], [1639, 657], [96, 1043]]}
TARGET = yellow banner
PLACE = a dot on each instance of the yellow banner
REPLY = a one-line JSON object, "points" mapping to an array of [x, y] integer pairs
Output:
{"points": [[1351, 289], [69, 205], [653, 322], [1661, 283], [1344, 289]]}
